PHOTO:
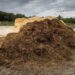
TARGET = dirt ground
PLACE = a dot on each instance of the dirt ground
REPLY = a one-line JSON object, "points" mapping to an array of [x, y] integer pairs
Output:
{"points": [[67, 68]]}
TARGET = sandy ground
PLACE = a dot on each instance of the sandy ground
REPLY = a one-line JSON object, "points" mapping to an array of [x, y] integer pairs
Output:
{"points": [[4, 30]]}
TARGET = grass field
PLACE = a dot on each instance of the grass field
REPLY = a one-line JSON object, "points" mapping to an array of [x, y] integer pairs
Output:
{"points": [[71, 25], [6, 23]]}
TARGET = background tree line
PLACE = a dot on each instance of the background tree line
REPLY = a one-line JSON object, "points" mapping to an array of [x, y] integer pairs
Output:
{"points": [[67, 20], [4, 16]]}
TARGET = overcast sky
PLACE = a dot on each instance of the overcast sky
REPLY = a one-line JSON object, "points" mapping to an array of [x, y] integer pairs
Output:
{"points": [[66, 8]]}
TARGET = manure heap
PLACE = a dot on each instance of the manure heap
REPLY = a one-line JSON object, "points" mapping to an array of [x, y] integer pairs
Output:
{"points": [[39, 41]]}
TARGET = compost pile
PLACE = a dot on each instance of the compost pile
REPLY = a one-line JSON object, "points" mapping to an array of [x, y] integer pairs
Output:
{"points": [[47, 40]]}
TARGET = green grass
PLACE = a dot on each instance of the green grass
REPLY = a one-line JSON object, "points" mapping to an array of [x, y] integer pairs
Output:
{"points": [[6, 23], [71, 24]]}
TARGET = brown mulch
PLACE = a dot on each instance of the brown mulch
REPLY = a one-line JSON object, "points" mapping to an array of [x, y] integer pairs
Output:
{"points": [[47, 40]]}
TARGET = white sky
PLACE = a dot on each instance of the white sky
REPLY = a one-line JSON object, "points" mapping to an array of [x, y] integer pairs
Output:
{"points": [[65, 8]]}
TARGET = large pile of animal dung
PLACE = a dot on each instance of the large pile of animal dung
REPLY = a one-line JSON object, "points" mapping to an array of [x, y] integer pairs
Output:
{"points": [[43, 41]]}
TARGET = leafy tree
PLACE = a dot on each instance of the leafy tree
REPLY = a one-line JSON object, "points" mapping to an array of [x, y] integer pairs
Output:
{"points": [[59, 17], [4, 16]]}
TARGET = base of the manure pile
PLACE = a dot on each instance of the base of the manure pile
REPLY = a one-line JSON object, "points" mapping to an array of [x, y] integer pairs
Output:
{"points": [[66, 68]]}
